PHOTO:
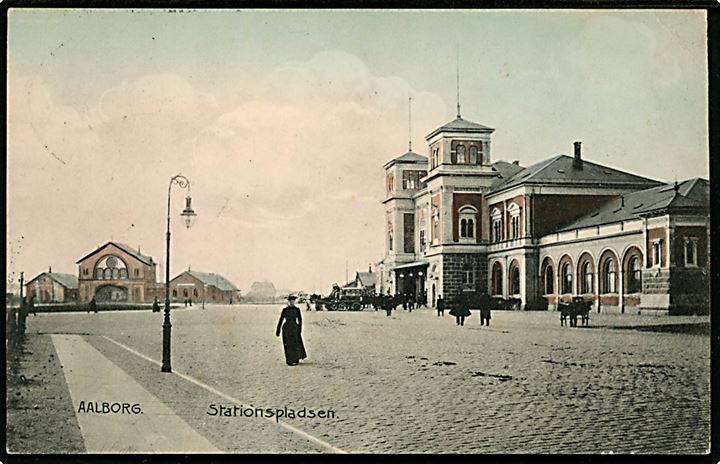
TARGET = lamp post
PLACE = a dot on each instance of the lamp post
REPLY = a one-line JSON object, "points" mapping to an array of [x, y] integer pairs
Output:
{"points": [[189, 215]]}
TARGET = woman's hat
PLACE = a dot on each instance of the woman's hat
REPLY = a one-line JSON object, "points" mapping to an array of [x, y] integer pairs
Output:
{"points": [[291, 297]]}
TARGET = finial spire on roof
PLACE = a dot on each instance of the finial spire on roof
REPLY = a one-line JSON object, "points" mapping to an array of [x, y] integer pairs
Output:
{"points": [[457, 62], [409, 123]]}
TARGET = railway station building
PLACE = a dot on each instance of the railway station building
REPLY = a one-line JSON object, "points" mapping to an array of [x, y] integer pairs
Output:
{"points": [[457, 220]]}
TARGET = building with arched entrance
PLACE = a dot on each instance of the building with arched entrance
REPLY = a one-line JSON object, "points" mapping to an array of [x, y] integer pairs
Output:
{"points": [[456, 221], [115, 272]]}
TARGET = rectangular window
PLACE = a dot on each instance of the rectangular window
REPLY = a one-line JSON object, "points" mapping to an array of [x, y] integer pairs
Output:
{"points": [[656, 253], [469, 277], [497, 230], [690, 252], [422, 239], [409, 233], [515, 226], [411, 180]]}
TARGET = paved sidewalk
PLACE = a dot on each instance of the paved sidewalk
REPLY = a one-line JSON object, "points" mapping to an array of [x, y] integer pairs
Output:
{"points": [[93, 380]]}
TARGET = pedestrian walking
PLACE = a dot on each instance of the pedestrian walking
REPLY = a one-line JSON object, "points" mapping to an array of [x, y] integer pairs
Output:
{"points": [[290, 323], [156, 306], [460, 310], [440, 306], [485, 303], [307, 306]]}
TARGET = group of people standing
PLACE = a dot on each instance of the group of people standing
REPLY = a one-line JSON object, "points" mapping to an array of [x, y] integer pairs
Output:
{"points": [[461, 308]]}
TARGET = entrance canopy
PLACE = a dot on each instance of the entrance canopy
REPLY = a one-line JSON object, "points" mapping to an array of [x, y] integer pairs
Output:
{"points": [[410, 265]]}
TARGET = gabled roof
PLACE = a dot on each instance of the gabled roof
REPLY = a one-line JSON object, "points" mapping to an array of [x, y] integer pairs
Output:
{"points": [[126, 248], [637, 204], [409, 157], [366, 279], [66, 280], [561, 170], [461, 125], [209, 278]]}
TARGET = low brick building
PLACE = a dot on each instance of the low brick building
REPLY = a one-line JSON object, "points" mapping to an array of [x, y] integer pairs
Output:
{"points": [[203, 286], [115, 272], [52, 287]]}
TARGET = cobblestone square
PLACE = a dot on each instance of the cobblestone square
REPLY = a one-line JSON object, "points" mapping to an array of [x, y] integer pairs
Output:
{"points": [[418, 383]]}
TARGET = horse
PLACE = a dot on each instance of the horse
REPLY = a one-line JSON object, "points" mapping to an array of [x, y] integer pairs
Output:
{"points": [[574, 309]]}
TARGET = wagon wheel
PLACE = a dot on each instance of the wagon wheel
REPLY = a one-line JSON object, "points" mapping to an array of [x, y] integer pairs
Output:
{"points": [[356, 306]]}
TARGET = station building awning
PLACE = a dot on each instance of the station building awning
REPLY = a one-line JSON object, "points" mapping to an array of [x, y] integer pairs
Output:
{"points": [[410, 265]]}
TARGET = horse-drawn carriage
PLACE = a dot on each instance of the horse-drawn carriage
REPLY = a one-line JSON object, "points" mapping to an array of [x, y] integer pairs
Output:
{"points": [[570, 311]]}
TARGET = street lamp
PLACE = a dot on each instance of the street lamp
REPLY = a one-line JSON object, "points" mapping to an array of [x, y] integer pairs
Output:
{"points": [[189, 215]]}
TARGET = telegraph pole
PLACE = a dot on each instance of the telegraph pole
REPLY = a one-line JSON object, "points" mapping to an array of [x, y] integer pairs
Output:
{"points": [[22, 281]]}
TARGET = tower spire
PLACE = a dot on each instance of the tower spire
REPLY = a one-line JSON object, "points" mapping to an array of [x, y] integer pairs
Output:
{"points": [[409, 123], [457, 63]]}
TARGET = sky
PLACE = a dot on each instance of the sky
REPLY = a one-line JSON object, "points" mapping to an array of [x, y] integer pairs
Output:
{"points": [[282, 121]]}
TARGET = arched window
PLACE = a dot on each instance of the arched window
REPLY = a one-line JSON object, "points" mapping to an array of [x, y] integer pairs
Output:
{"points": [[634, 275], [195, 292], [107, 273], [461, 155], [586, 278], [174, 292], [185, 292], [515, 280], [549, 279], [474, 155], [467, 222], [436, 226], [436, 157], [567, 278], [497, 279], [98, 273], [124, 273], [609, 276], [390, 239]]}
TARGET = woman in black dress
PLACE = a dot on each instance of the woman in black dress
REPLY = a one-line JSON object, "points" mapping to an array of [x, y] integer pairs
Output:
{"points": [[460, 310], [291, 324]]}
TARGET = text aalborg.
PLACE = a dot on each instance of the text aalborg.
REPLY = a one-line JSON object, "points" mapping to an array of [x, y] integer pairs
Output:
{"points": [[104, 407], [277, 413]]}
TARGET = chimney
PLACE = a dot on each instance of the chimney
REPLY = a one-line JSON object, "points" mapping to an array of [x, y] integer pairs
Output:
{"points": [[50, 270], [577, 162]]}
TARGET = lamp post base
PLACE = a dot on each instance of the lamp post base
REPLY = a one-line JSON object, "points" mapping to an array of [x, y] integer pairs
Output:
{"points": [[167, 328]]}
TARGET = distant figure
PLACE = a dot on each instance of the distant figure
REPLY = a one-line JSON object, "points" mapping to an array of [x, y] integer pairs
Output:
{"points": [[291, 323], [460, 310], [484, 302], [156, 306], [190, 302], [92, 306], [307, 306], [387, 304], [440, 306], [31, 306], [186, 302]]}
